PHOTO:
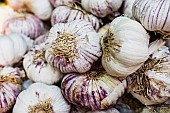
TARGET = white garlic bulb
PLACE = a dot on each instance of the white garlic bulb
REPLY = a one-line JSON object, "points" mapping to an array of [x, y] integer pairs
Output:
{"points": [[74, 46], [153, 15], [127, 8], [95, 90], [57, 3], [41, 98], [125, 47], [41, 8], [64, 14], [37, 69], [101, 8], [10, 87], [13, 47], [26, 23]]}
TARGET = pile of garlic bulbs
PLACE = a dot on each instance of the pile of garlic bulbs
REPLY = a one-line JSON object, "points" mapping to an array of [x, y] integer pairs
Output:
{"points": [[82, 56]]}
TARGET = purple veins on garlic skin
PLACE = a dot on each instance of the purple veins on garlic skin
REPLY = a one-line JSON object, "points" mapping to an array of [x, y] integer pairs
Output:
{"points": [[37, 68], [56, 3], [151, 83], [93, 90], [73, 47], [10, 87], [41, 39], [41, 98], [64, 14]]}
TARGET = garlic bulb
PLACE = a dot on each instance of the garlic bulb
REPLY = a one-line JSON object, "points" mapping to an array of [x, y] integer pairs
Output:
{"points": [[35, 6], [111, 110], [5, 13], [10, 87], [103, 30], [13, 47], [153, 15], [93, 90], [57, 3], [41, 98], [15, 4], [41, 39], [151, 83], [26, 24], [37, 69], [127, 8], [73, 47], [64, 14], [125, 47], [101, 8]]}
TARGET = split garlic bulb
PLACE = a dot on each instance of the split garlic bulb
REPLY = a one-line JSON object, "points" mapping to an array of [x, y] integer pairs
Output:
{"points": [[37, 69], [153, 15], [13, 47], [74, 46], [10, 87], [151, 83], [127, 8], [35, 6], [64, 14], [24, 23], [125, 47], [41, 98], [57, 3], [41, 39], [93, 90], [101, 8]]}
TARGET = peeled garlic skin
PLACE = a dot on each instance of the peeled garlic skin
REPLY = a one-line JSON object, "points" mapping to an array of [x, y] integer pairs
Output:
{"points": [[87, 46], [8, 90], [127, 49], [13, 47], [57, 3], [95, 92], [101, 8], [64, 14], [153, 14], [37, 93]]}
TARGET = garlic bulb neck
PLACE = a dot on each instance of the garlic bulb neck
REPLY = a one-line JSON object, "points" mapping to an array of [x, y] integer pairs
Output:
{"points": [[42, 107], [9, 79], [39, 56], [92, 74], [65, 46], [165, 35]]}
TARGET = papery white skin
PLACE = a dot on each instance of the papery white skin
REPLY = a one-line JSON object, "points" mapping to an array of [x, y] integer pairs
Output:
{"points": [[133, 41], [57, 3], [41, 39], [13, 47], [64, 14], [38, 92], [87, 46], [101, 8], [153, 14], [35, 6], [24, 23], [40, 71], [5, 13], [9, 91], [127, 8]]}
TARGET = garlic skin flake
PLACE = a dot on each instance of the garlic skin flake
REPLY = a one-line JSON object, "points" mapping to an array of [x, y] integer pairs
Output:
{"points": [[41, 98], [125, 47], [64, 14], [101, 8], [74, 46], [24, 23], [37, 69], [10, 87], [35, 6], [153, 15], [93, 90], [13, 47], [56, 3]]}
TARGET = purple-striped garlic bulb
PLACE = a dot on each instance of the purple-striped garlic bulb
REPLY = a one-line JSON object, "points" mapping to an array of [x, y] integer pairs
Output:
{"points": [[64, 14], [24, 23], [56, 3], [35, 6], [13, 47], [151, 83], [37, 69], [93, 90], [41, 39], [41, 98], [101, 8], [153, 15], [74, 46], [10, 87]]}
